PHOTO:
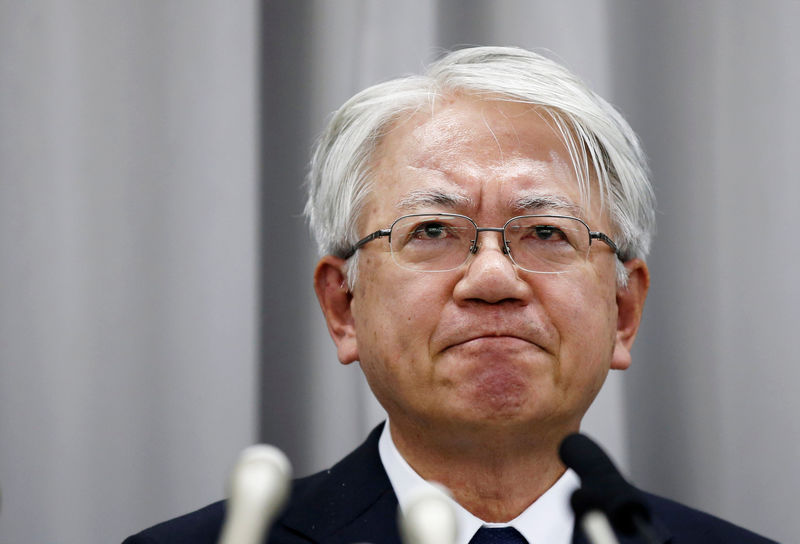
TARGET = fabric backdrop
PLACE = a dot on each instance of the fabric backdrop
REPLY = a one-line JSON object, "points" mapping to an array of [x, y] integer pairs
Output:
{"points": [[156, 311]]}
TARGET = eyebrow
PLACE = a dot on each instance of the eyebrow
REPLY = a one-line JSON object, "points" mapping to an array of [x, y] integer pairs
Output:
{"points": [[433, 197], [524, 204], [538, 203]]}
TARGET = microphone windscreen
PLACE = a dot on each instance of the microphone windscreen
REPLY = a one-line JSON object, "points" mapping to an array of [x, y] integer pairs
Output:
{"points": [[428, 517], [259, 487], [586, 458]]}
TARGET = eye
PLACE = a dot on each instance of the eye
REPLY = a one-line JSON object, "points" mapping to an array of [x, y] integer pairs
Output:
{"points": [[548, 233], [430, 231]]}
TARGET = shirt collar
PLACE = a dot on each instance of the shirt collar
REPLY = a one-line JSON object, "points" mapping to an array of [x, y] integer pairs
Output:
{"points": [[548, 520]]}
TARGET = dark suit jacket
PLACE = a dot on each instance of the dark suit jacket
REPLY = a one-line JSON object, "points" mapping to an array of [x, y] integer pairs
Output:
{"points": [[354, 502]]}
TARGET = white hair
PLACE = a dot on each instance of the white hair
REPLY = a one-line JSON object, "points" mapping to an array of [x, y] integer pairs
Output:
{"points": [[601, 144]]}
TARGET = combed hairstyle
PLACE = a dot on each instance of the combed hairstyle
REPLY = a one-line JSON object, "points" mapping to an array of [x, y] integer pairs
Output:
{"points": [[602, 146]]}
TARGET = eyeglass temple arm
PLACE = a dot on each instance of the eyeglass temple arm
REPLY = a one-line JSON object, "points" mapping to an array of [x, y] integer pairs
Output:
{"points": [[604, 238], [377, 234]]}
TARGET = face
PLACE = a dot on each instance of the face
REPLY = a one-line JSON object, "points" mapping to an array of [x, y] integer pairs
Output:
{"points": [[487, 345]]}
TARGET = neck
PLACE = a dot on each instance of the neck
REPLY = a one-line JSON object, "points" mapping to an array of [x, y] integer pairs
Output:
{"points": [[495, 475]]}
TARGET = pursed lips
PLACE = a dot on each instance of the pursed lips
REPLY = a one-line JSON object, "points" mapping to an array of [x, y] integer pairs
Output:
{"points": [[492, 335]]}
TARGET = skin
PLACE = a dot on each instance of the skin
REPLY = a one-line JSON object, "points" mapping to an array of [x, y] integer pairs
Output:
{"points": [[484, 369]]}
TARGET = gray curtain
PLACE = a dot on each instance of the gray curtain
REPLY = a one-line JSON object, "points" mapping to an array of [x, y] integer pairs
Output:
{"points": [[156, 311], [128, 270]]}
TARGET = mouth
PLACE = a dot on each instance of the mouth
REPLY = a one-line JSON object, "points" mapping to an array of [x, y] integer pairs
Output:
{"points": [[496, 334], [493, 341]]}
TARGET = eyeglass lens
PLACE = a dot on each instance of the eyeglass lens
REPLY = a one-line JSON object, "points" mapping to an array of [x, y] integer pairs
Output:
{"points": [[443, 242]]}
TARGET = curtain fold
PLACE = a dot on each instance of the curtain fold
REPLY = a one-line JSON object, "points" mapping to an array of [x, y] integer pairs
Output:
{"points": [[128, 184]]}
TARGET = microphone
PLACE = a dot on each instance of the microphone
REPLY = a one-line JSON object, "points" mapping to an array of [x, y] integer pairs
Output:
{"points": [[592, 520], [259, 487], [604, 488], [429, 517]]}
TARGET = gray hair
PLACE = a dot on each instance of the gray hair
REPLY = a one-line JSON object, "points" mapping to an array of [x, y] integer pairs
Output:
{"points": [[601, 144]]}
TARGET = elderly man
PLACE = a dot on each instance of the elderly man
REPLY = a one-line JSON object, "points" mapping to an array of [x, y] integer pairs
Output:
{"points": [[484, 228]]}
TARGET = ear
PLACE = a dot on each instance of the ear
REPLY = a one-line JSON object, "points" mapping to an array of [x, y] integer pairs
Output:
{"points": [[330, 284], [630, 303]]}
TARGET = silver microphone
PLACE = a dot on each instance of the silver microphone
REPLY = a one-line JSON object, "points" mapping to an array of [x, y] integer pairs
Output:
{"points": [[259, 487], [429, 517]]}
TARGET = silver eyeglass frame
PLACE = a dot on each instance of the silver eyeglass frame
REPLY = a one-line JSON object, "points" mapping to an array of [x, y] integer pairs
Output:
{"points": [[593, 235]]}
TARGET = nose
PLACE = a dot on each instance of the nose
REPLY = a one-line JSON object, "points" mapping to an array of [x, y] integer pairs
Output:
{"points": [[490, 275]]}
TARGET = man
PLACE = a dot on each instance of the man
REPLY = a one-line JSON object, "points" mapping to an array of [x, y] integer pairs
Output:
{"points": [[484, 229]]}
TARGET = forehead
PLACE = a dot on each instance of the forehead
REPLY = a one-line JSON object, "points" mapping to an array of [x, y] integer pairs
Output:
{"points": [[468, 154]]}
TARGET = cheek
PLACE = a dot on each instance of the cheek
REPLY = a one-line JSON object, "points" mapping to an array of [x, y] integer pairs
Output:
{"points": [[395, 315], [595, 294], [395, 312], [586, 320]]}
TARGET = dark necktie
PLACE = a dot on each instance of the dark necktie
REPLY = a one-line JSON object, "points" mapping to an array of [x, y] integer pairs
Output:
{"points": [[498, 535]]}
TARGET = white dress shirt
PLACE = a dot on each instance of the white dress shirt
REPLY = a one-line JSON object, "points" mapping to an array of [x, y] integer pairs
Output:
{"points": [[549, 520]]}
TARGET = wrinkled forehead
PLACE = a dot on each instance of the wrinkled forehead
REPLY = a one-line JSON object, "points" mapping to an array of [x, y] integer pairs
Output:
{"points": [[463, 151], [451, 197]]}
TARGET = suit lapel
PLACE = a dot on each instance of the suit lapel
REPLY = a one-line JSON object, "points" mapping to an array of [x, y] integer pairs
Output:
{"points": [[358, 503]]}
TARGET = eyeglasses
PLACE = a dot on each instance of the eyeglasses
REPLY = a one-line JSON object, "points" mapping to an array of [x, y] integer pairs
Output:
{"points": [[442, 241]]}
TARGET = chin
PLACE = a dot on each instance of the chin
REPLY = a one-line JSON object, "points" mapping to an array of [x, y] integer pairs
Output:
{"points": [[506, 401], [504, 387]]}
